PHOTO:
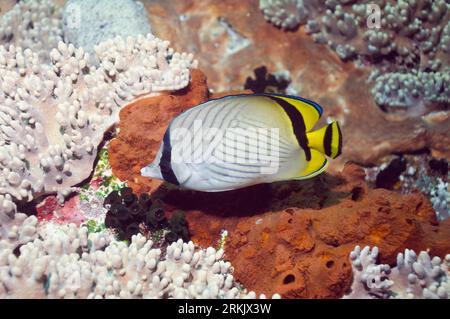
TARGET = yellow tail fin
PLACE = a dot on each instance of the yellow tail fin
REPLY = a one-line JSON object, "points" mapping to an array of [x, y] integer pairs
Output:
{"points": [[327, 140]]}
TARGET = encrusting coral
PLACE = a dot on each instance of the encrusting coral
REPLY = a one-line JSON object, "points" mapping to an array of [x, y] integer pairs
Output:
{"points": [[413, 276], [72, 263]]}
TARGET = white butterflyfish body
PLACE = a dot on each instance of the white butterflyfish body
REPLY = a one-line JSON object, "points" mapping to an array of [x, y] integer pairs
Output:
{"points": [[243, 140]]}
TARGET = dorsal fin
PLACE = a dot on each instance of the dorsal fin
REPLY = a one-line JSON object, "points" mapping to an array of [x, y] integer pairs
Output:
{"points": [[310, 111], [297, 122]]}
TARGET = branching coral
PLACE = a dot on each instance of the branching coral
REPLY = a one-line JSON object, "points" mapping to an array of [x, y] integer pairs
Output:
{"points": [[349, 26], [413, 277], [53, 116], [415, 89], [409, 39], [34, 25], [17, 231], [370, 279], [438, 192], [287, 14], [72, 263], [440, 198]]}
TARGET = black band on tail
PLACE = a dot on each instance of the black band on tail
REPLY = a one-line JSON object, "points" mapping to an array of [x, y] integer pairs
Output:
{"points": [[166, 158], [327, 140], [340, 141], [298, 124]]}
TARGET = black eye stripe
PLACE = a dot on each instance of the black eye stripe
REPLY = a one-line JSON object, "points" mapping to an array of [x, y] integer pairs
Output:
{"points": [[165, 161]]}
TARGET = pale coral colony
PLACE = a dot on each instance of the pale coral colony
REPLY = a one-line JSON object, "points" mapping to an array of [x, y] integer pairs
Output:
{"points": [[67, 69]]}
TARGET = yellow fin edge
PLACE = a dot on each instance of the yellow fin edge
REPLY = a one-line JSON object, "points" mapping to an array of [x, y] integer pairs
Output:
{"points": [[317, 165]]}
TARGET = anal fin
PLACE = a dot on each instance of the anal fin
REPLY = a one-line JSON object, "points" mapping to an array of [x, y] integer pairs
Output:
{"points": [[316, 165]]}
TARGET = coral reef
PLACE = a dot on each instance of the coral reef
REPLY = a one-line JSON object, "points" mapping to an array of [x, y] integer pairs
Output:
{"points": [[407, 39], [55, 115], [66, 79], [86, 202], [54, 211], [403, 29], [297, 235], [413, 276], [87, 23], [70, 262], [17, 231]]}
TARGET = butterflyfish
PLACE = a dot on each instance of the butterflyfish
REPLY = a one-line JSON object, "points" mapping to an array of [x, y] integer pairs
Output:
{"points": [[241, 140]]}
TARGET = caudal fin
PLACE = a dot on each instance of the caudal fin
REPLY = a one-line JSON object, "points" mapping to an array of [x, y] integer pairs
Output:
{"points": [[327, 140]]}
